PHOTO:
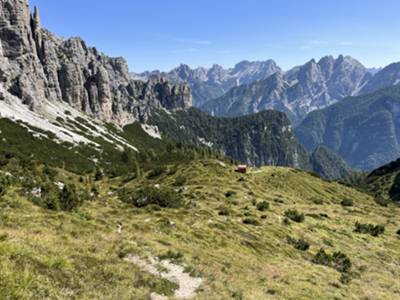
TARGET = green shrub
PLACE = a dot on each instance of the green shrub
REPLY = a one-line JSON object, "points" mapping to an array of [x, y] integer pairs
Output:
{"points": [[98, 175], [172, 256], [2, 189], [150, 195], [50, 196], [322, 258], [338, 260], [262, 206], [224, 211], [251, 221], [347, 202], [156, 172], [299, 244], [229, 194], [371, 229], [49, 172], [341, 262], [3, 237], [180, 180], [294, 215], [69, 199], [317, 201]]}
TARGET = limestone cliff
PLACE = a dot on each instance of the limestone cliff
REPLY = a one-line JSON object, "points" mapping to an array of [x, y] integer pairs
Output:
{"points": [[39, 67]]}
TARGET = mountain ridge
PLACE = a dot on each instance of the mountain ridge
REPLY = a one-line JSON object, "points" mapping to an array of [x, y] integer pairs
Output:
{"points": [[364, 129], [297, 92], [210, 83]]}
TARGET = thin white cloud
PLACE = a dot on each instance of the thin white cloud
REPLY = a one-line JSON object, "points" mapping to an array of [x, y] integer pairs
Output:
{"points": [[193, 41], [185, 50], [305, 47], [223, 52]]}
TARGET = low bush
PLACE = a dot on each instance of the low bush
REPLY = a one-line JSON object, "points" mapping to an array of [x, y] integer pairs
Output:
{"points": [[346, 202], [98, 175], [371, 229], [2, 189], [180, 180], [299, 244], [338, 260], [294, 215], [150, 195], [322, 258], [341, 262], [69, 199], [174, 256], [251, 221], [262, 206], [3, 237], [49, 196], [229, 194], [50, 172], [224, 211], [156, 172], [317, 201]]}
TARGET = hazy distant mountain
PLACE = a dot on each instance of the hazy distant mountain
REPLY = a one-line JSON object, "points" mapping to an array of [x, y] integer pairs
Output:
{"points": [[386, 77], [364, 130], [297, 92], [208, 84], [373, 71]]}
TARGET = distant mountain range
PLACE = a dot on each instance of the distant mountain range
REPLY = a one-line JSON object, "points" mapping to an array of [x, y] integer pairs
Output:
{"points": [[251, 87], [208, 84], [296, 92], [364, 130]]}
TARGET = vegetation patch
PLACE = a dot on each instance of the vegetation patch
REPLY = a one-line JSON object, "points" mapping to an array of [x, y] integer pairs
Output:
{"points": [[174, 256], [374, 230], [262, 206], [151, 195], [299, 244], [156, 172], [294, 215], [251, 221], [338, 260], [346, 202]]}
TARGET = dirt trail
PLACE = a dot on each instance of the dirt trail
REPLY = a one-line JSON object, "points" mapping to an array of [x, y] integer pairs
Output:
{"points": [[173, 273]]}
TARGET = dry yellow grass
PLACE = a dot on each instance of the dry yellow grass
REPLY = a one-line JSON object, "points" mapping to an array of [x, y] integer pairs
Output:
{"points": [[79, 255]]}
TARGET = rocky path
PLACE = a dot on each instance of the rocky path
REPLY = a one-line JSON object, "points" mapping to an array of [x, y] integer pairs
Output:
{"points": [[173, 273]]}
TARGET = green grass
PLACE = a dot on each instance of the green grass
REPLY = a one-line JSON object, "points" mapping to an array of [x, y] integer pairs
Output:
{"points": [[79, 254]]}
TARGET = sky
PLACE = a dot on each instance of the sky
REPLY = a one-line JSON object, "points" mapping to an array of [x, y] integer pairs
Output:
{"points": [[161, 34]]}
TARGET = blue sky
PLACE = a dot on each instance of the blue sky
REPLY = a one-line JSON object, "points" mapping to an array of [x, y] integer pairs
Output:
{"points": [[161, 34]]}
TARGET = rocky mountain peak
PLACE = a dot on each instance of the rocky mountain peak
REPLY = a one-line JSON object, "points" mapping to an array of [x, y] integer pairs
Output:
{"points": [[298, 91], [38, 67]]}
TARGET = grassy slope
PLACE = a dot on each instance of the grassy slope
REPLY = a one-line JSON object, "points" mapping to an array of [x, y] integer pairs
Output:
{"points": [[78, 255]]}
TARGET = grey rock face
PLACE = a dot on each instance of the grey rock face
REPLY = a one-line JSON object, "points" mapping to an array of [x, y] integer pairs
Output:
{"points": [[297, 92], [208, 84], [37, 66]]}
